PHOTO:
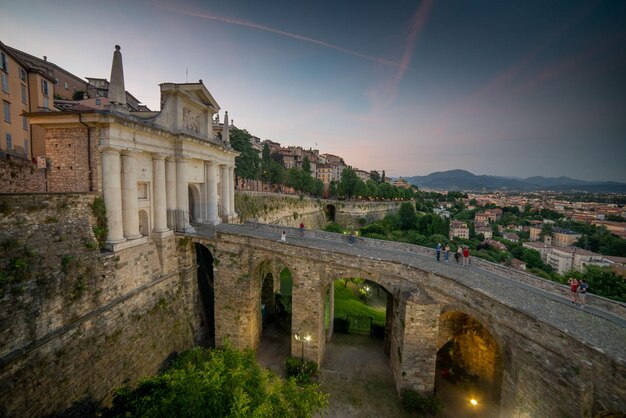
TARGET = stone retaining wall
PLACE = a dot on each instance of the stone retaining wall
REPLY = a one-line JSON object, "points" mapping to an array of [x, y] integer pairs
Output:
{"points": [[76, 323], [290, 211]]}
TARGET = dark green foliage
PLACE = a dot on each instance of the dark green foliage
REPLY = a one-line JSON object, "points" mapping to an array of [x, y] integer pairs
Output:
{"points": [[350, 183], [603, 282], [341, 325], [219, 383], [333, 227], [78, 95], [248, 163], [301, 371], [408, 218], [100, 230], [414, 402]]}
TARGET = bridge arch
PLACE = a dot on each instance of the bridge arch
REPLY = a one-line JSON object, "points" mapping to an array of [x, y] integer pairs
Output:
{"points": [[272, 303], [206, 293], [470, 349]]}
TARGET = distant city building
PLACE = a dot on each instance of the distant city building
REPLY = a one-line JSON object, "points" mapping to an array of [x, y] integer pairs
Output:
{"points": [[510, 236], [562, 237], [485, 230], [564, 259], [400, 182], [459, 229]]}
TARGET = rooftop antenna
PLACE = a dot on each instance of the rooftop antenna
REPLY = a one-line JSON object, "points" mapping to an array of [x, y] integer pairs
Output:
{"points": [[186, 75]]}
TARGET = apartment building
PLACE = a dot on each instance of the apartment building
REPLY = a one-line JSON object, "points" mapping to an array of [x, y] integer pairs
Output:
{"points": [[24, 89], [459, 229], [562, 237], [564, 259]]}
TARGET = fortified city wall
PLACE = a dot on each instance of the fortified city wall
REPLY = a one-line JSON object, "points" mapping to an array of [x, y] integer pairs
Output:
{"points": [[287, 210], [76, 323]]}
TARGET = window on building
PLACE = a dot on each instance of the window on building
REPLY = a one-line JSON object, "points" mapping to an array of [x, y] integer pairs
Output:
{"points": [[6, 107], [5, 82], [4, 65], [44, 87], [65, 85], [24, 123], [26, 147], [56, 81], [22, 74], [9, 141], [98, 102], [142, 190], [24, 95], [45, 102]]}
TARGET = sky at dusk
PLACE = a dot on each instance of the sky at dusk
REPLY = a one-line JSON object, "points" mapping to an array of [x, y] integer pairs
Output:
{"points": [[509, 88]]}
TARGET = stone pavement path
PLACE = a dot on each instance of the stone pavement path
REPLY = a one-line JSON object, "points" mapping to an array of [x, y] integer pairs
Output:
{"points": [[596, 328]]}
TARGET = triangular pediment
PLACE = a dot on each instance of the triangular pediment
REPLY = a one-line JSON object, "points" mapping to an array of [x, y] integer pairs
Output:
{"points": [[196, 92]]}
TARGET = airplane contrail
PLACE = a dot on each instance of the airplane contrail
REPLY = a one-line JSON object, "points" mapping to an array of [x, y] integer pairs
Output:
{"points": [[253, 25]]}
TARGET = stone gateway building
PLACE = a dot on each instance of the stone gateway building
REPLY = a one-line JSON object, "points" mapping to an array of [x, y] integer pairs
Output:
{"points": [[157, 171]]}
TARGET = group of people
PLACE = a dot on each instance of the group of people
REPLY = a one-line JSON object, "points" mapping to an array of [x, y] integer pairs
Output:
{"points": [[462, 252], [578, 290]]}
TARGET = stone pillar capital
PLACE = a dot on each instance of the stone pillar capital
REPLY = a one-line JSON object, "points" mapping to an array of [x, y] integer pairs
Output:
{"points": [[130, 152], [109, 150], [158, 156]]}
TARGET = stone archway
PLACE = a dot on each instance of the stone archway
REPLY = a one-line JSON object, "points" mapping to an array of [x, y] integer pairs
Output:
{"points": [[206, 289], [329, 212], [469, 360], [271, 287]]}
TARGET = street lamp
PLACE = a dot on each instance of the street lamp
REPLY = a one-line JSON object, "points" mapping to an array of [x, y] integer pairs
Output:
{"points": [[302, 339]]}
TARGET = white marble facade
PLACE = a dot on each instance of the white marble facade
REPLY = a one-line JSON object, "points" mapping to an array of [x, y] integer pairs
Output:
{"points": [[164, 171]]}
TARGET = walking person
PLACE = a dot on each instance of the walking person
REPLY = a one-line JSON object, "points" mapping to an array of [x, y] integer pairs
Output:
{"points": [[446, 254], [573, 289], [438, 250], [582, 291], [283, 237], [458, 254], [465, 256], [351, 238], [301, 229]]}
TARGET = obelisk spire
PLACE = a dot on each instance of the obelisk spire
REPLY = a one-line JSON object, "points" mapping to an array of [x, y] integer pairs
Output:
{"points": [[225, 133], [117, 91]]}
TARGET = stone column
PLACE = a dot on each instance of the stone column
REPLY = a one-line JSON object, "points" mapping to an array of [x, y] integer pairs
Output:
{"points": [[308, 314], [170, 191], [159, 200], [224, 180], [211, 179], [182, 197], [231, 194], [414, 359], [130, 213], [112, 193]]}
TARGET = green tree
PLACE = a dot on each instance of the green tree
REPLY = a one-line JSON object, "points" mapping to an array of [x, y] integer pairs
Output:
{"points": [[349, 184], [248, 163], [375, 176], [306, 165], [222, 382], [408, 218]]}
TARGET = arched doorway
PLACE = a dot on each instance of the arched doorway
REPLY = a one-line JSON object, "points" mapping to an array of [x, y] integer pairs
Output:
{"points": [[144, 223], [194, 203], [469, 365], [329, 212], [204, 260]]}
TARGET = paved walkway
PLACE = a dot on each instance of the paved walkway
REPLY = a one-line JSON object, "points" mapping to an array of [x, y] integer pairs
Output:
{"points": [[594, 327]]}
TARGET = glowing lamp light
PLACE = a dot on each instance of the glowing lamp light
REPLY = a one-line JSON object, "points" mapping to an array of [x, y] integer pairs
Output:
{"points": [[474, 402]]}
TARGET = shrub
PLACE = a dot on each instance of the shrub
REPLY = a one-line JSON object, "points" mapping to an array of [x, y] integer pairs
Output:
{"points": [[333, 227], [301, 371], [413, 401]]}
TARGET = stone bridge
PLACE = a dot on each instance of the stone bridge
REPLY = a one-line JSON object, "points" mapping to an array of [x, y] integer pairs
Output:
{"points": [[540, 355]]}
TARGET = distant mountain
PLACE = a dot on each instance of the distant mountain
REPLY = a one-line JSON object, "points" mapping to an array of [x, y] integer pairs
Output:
{"points": [[464, 180]]}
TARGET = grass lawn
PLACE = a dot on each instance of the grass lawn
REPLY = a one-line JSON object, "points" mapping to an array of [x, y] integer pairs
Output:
{"points": [[347, 302]]}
